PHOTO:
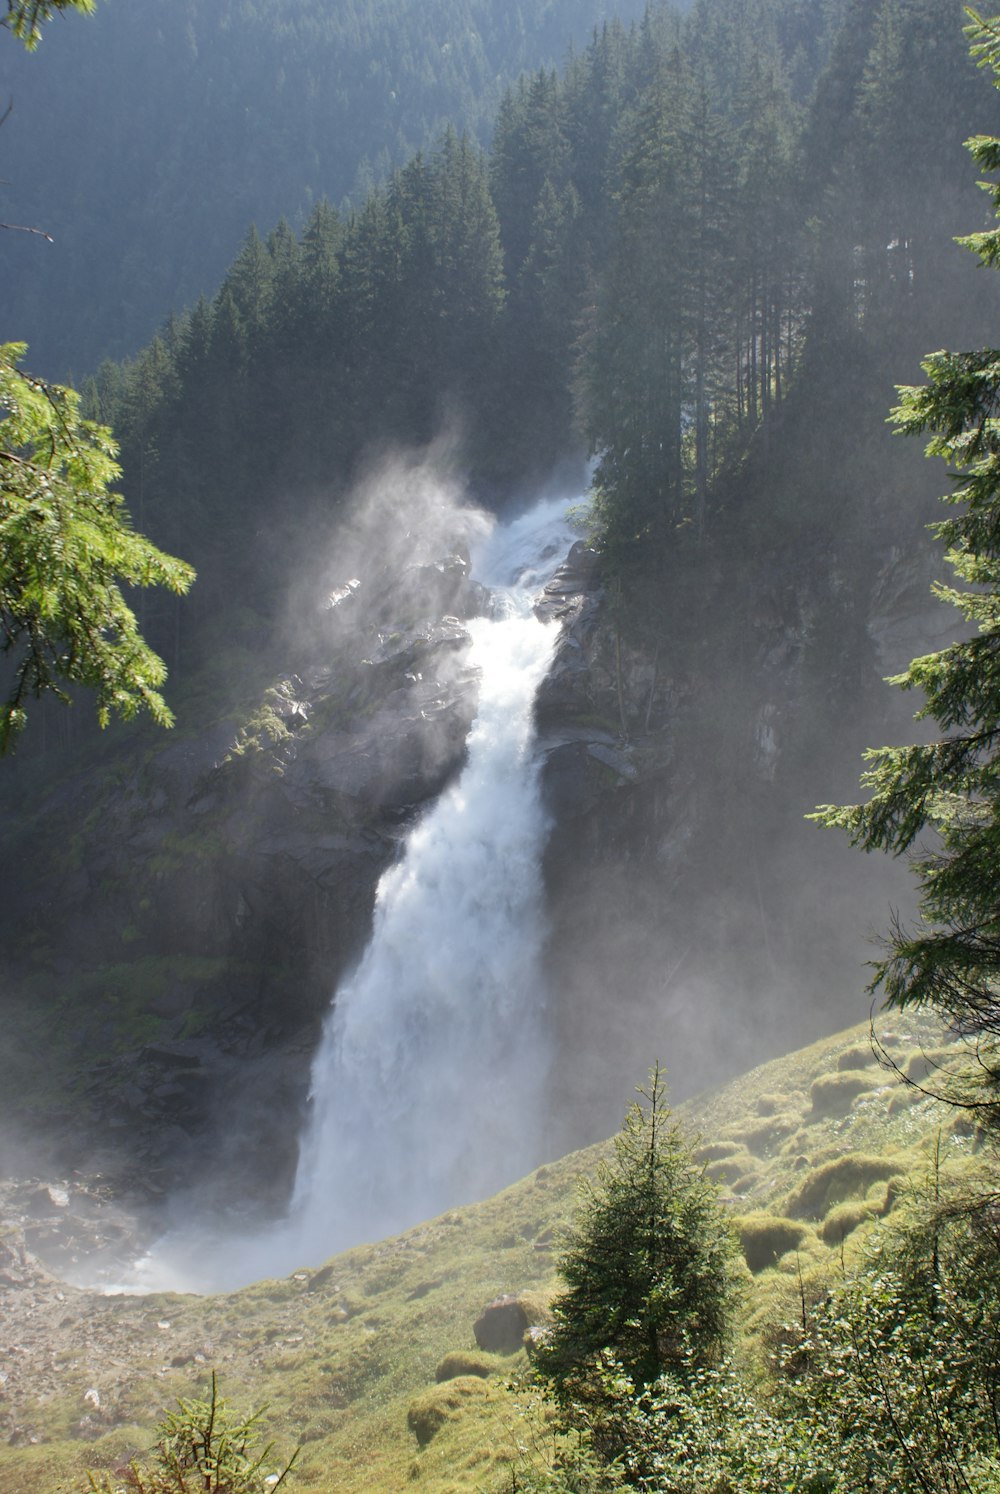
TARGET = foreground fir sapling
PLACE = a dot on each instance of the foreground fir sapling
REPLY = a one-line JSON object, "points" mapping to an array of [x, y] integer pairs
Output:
{"points": [[650, 1272], [203, 1447]]}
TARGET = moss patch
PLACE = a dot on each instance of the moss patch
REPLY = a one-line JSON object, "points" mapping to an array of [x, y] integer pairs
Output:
{"points": [[428, 1413], [834, 1094], [849, 1176], [765, 1238]]}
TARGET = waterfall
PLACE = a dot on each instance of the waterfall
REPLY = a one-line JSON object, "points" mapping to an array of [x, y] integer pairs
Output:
{"points": [[428, 1085], [429, 1081]]}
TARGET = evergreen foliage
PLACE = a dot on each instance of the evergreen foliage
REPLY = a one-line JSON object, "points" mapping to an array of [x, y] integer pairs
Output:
{"points": [[950, 786], [270, 109], [203, 1447], [648, 1270], [25, 18]]}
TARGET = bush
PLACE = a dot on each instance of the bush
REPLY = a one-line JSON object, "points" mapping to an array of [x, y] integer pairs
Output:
{"points": [[901, 1369], [203, 1448]]}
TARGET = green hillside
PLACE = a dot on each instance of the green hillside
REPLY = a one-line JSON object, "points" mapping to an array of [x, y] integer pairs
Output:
{"points": [[810, 1152]]}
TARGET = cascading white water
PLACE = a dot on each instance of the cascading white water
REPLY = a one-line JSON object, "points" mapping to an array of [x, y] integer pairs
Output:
{"points": [[428, 1081], [427, 1087]]}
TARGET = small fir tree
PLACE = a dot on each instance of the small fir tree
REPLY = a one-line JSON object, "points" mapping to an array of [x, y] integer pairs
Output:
{"points": [[649, 1268], [204, 1447]]}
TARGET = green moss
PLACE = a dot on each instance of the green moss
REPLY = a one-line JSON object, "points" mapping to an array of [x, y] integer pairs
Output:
{"points": [[342, 1353], [428, 1413], [848, 1176], [463, 1362], [765, 1238], [729, 1170], [844, 1220], [833, 1094], [857, 1056], [775, 1104], [715, 1151], [764, 1135], [928, 1064]]}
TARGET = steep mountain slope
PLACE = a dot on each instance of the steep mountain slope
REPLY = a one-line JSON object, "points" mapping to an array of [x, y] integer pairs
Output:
{"points": [[370, 1362], [180, 922]]}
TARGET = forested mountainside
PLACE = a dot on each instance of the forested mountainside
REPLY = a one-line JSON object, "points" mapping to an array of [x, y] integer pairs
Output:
{"points": [[147, 137], [701, 254]]}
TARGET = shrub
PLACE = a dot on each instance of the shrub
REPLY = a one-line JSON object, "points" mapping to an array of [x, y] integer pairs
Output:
{"points": [[901, 1368], [203, 1448]]}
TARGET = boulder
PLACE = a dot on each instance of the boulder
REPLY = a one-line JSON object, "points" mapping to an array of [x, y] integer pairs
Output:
{"points": [[501, 1326]]}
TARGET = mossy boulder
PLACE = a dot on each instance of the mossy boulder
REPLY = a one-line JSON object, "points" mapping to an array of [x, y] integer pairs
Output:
{"points": [[844, 1220], [834, 1094], [729, 1171], [858, 1056], [716, 1151], [848, 1176]]}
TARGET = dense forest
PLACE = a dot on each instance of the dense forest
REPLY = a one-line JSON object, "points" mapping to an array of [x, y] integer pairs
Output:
{"points": [[145, 138], [675, 250]]}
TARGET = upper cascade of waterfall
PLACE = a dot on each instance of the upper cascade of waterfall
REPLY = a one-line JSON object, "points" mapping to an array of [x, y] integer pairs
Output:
{"points": [[518, 557]]}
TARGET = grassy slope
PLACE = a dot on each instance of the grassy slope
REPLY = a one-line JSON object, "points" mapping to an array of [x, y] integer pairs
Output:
{"points": [[341, 1354]]}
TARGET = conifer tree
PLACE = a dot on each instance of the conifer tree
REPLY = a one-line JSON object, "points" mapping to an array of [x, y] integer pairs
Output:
{"points": [[648, 1271]]}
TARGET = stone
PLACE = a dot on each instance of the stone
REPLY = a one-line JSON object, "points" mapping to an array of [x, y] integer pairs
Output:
{"points": [[501, 1326]]}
